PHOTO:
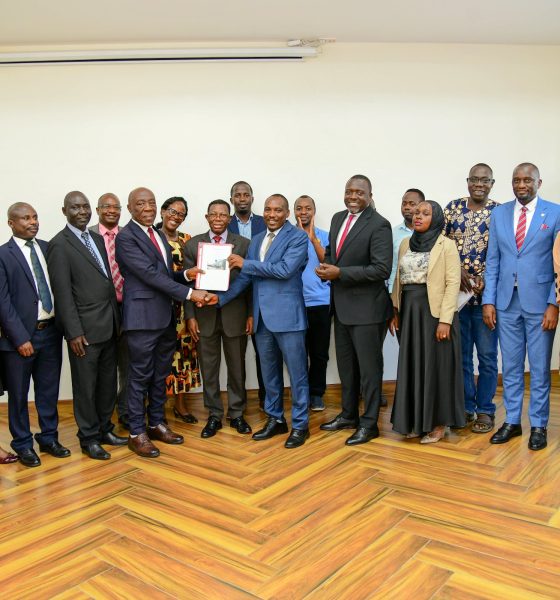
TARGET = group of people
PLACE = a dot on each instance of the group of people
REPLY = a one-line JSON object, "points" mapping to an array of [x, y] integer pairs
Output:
{"points": [[139, 332]]}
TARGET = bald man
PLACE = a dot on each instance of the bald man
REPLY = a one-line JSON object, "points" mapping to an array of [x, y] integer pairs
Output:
{"points": [[31, 345], [150, 286], [88, 315]]}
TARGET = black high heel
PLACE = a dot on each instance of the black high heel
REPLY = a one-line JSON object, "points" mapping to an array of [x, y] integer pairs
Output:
{"points": [[188, 418]]}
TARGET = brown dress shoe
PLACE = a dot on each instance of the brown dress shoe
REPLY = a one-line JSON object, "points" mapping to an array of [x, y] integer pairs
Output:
{"points": [[142, 446], [163, 434]]}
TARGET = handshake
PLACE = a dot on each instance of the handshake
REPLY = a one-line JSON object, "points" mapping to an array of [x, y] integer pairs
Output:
{"points": [[203, 298]]}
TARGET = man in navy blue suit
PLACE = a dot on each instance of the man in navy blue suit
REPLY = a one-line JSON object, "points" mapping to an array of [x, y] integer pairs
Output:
{"points": [[247, 224], [520, 300], [274, 264], [30, 343], [150, 286]]}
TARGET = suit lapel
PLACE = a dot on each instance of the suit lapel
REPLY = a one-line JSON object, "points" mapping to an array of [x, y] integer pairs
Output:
{"points": [[167, 246], [75, 242], [355, 230], [536, 223], [18, 255], [333, 233], [278, 242], [508, 224], [146, 241], [102, 251]]}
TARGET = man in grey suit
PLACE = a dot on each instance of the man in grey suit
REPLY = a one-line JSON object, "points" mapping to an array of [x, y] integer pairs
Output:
{"points": [[214, 326], [88, 315], [357, 263], [109, 213]]}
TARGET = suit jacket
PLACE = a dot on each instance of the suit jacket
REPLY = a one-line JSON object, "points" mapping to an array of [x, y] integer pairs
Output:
{"points": [[257, 225], [149, 284], [18, 296], [444, 279], [84, 297], [532, 266], [234, 313], [360, 295], [277, 284]]}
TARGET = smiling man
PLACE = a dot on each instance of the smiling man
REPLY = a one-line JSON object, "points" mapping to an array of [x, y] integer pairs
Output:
{"points": [[274, 264], [31, 345], [519, 299], [357, 263], [150, 285]]}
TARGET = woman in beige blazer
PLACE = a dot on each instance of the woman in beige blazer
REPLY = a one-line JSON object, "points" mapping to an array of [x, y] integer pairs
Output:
{"points": [[429, 394]]}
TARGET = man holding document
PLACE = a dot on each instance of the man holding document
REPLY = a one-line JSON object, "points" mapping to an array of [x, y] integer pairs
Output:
{"points": [[274, 264], [212, 327]]}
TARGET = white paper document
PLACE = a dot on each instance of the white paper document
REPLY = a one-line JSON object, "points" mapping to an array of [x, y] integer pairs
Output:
{"points": [[212, 259]]}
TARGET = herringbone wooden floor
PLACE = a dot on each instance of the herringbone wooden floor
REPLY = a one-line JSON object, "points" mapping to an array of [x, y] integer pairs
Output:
{"points": [[232, 518]]}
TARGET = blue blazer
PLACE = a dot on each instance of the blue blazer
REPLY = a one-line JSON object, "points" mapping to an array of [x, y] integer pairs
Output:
{"points": [[149, 285], [257, 225], [532, 265], [18, 296], [277, 283]]}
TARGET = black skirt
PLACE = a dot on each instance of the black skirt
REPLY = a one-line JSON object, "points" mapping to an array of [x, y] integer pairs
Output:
{"points": [[429, 388]]}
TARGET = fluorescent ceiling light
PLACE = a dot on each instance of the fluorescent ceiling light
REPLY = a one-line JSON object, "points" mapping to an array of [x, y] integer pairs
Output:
{"points": [[161, 55]]}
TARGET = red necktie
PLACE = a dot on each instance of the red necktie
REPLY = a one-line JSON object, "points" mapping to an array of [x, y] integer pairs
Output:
{"points": [[154, 241], [217, 239], [344, 234], [521, 225], [115, 273]]}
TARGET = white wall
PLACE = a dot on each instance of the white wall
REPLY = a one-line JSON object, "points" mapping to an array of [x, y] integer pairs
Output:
{"points": [[405, 115]]}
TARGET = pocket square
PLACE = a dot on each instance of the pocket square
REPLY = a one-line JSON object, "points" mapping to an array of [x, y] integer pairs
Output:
{"points": [[545, 226]]}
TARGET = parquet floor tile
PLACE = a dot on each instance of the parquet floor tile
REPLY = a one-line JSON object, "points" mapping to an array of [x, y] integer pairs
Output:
{"points": [[229, 518]]}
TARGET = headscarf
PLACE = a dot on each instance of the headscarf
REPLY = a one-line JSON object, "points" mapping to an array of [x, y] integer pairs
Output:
{"points": [[424, 242]]}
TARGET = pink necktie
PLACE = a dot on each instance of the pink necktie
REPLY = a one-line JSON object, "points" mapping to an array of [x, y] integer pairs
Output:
{"points": [[344, 234], [115, 273], [217, 239], [153, 238], [521, 225]]}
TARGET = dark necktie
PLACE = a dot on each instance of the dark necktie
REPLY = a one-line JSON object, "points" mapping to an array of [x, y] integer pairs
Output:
{"points": [[42, 285], [217, 239], [87, 242], [153, 238]]}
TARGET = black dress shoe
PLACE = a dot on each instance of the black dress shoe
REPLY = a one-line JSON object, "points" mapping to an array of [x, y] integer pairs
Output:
{"points": [[55, 449], [241, 425], [95, 451], [362, 435], [537, 439], [505, 433], [271, 429], [296, 438], [29, 458], [114, 440], [338, 423], [212, 426], [123, 421], [383, 400]]}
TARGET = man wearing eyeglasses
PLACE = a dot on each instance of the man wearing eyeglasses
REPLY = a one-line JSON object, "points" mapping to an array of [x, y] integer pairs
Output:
{"points": [[520, 301], [214, 326], [467, 222], [109, 213]]}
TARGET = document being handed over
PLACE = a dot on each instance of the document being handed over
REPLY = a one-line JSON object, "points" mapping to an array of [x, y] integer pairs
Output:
{"points": [[212, 259]]}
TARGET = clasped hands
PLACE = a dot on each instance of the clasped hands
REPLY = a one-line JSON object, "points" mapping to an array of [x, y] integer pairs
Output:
{"points": [[203, 298]]}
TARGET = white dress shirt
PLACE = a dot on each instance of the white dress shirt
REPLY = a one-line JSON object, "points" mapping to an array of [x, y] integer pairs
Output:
{"points": [[42, 314], [266, 240], [343, 226]]}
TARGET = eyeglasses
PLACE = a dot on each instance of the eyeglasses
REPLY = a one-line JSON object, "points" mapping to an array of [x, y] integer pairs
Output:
{"points": [[218, 216], [176, 213], [483, 180], [108, 206]]}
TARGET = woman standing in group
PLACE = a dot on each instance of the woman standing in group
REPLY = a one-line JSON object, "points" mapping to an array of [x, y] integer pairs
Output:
{"points": [[185, 372], [429, 395]]}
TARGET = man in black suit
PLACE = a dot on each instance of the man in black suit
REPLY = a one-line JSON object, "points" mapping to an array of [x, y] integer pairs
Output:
{"points": [[88, 315], [214, 326], [357, 262], [30, 344], [109, 213], [150, 286], [244, 222]]}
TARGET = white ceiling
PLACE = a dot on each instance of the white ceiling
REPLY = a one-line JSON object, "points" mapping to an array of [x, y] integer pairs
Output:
{"points": [[57, 22]]}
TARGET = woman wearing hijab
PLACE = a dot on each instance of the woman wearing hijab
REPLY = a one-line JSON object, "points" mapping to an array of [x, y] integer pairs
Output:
{"points": [[429, 394]]}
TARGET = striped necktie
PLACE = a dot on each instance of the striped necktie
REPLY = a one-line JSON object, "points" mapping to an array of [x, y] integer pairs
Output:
{"points": [[521, 226]]}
